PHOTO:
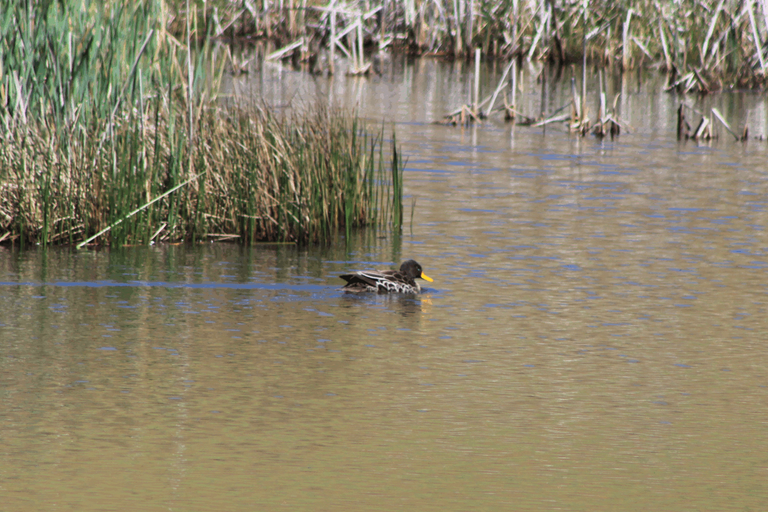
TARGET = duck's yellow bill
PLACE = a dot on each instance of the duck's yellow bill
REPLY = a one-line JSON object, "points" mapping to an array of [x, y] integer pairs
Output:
{"points": [[427, 278]]}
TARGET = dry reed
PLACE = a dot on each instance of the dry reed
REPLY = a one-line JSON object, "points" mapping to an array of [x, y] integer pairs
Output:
{"points": [[704, 44]]}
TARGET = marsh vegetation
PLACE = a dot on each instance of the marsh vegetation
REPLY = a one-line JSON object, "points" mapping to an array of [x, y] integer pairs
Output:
{"points": [[111, 126], [704, 45]]}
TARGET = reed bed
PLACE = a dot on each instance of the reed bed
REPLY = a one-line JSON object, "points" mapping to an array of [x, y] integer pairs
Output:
{"points": [[110, 128], [705, 45], [253, 175]]}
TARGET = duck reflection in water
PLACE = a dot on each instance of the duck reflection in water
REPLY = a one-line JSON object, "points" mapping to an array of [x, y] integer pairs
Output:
{"points": [[405, 305]]}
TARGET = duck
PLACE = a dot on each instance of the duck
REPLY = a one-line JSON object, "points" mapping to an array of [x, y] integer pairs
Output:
{"points": [[387, 281]]}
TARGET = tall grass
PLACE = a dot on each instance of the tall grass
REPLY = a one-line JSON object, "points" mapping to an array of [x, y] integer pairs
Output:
{"points": [[103, 112], [302, 177]]}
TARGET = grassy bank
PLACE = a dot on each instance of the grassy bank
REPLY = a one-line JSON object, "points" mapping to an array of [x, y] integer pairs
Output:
{"points": [[704, 44], [110, 124]]}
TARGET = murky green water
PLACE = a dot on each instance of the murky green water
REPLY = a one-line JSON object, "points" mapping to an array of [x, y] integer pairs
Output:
{"points": [[594, 340]]}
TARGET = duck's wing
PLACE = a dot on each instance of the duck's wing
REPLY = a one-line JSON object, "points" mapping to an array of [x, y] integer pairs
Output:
{"points": [[364, 278], [374, 279]]}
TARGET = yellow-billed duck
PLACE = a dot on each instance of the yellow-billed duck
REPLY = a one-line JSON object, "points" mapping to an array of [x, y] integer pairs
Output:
{"points": [[386, 281]]}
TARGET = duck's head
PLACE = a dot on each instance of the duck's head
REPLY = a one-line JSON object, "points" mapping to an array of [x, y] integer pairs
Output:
{"points": [[413, 269]]}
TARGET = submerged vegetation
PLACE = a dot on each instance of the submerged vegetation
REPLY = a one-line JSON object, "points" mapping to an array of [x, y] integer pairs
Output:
{"points": [[111, 126], [705, 45]]}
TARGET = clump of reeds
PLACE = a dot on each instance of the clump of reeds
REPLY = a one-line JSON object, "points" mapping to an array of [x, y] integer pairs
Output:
{"points": [[299, 177], [252, 174], [704, 44], [109, 127]]}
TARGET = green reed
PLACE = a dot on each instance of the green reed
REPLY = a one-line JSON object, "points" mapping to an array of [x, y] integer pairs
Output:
{"points": [[100, 120], [301, 177]]}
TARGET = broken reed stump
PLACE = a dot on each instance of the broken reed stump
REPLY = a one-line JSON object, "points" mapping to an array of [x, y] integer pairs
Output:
{"points": [[462, 116], [683, 128], [605, 127], [704, 130], [471, 112]]}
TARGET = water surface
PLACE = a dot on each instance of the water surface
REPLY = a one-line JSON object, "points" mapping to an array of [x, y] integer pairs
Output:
{"points": [[593, 340]]}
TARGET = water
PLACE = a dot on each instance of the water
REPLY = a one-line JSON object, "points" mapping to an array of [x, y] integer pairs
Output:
{"points": [[593, 339]]}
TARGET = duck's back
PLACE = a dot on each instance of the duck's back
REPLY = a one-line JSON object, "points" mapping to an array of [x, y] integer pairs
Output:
{"points": [[383, 281]]}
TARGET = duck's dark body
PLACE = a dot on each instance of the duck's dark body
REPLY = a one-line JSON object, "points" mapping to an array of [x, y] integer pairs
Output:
{"points": [[386, 281]]}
